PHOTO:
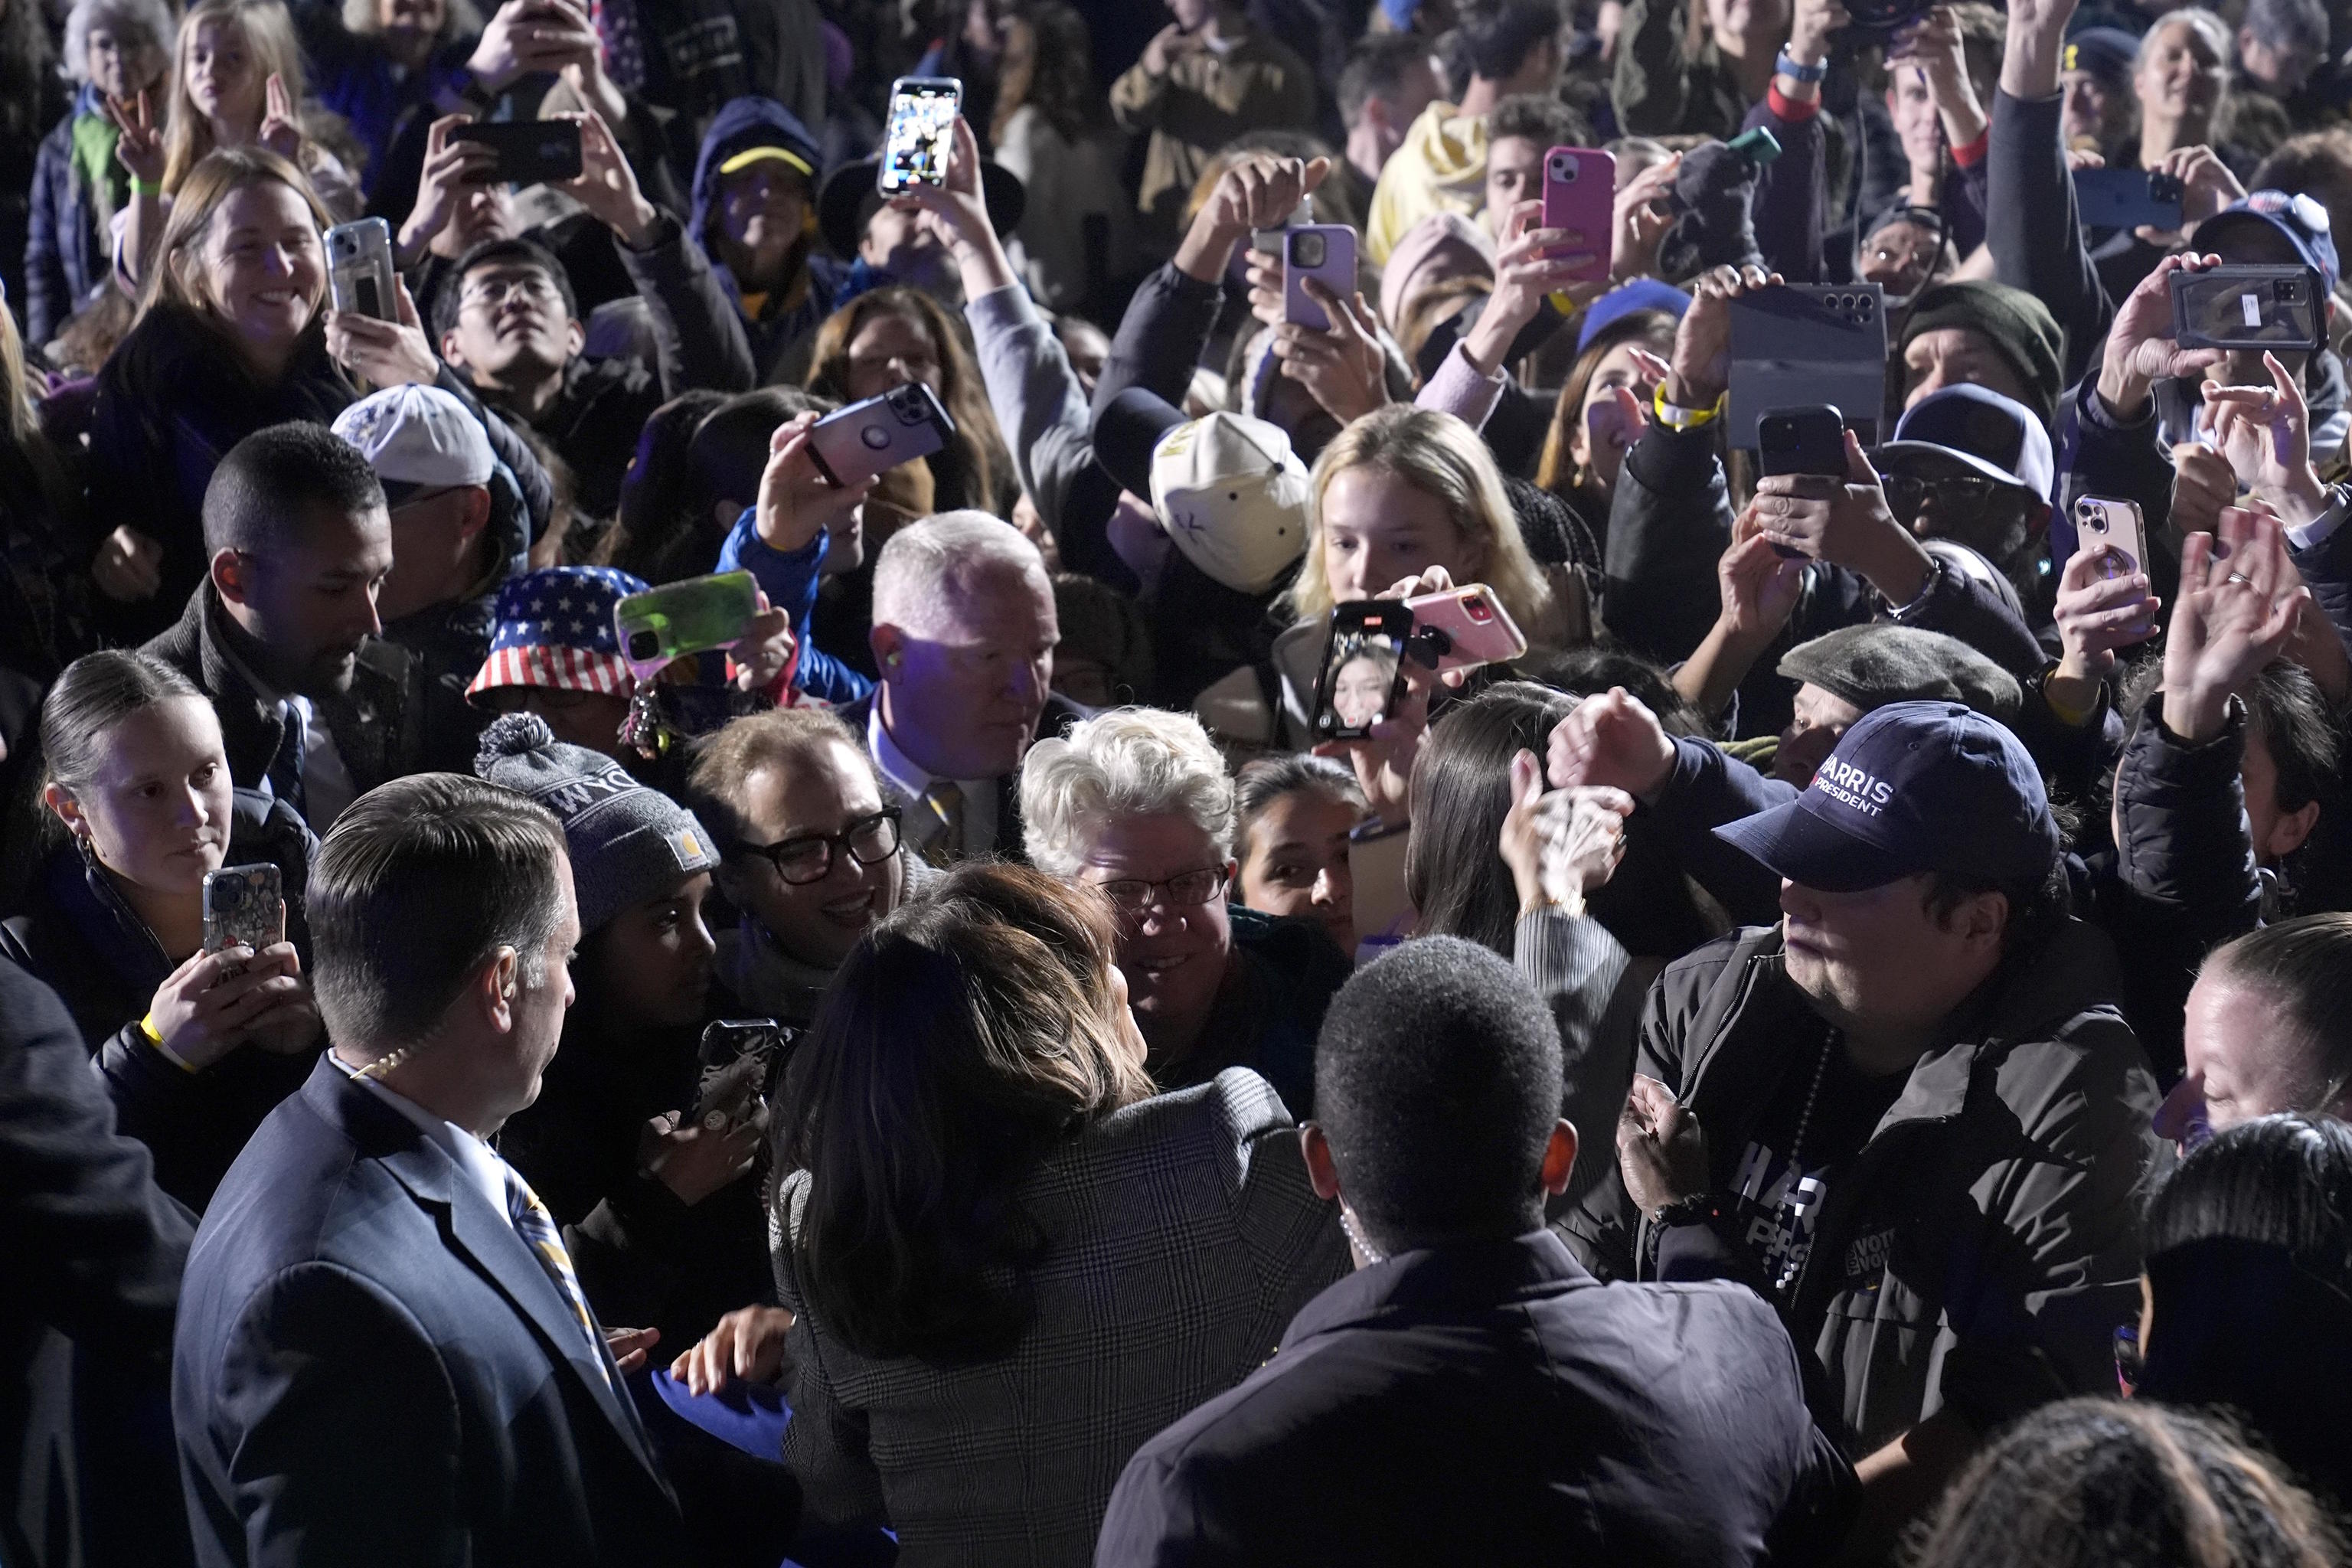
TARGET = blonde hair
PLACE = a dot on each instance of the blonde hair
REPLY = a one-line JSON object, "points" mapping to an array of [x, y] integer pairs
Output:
{"points": [[218, 176], [1439, 455], [268, 34], [1129, 762]]}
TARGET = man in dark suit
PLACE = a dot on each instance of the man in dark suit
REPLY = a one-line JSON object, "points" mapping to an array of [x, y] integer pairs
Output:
{"points": [[383, 1354], [1470, 1394], [963, 633], [283, 636]]}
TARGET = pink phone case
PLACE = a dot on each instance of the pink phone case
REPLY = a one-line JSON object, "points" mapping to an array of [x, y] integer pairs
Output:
{"points": [[1335, 270], [1579, 193], [1478, 629]]}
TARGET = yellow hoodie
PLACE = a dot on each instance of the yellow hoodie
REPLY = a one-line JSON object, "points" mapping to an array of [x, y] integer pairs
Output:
{"points": [[1440, 166]]}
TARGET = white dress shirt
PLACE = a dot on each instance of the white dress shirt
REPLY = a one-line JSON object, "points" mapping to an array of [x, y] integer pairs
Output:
{"points": [[911, 781]]}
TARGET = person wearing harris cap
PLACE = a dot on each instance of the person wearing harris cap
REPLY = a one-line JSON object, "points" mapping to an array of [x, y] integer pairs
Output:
{"points": [[664, 1230], [1909, 1113], [458, 531], [754, 215]]}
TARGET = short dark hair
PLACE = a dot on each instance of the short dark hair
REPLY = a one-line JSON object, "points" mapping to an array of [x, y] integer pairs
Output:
{"points": [[779, 738], [277, 480], [2286, 708], [1540, 117], [728, 451], [1438, 1080], [1375, 68], [2276, 1180], [2304, 967], [491, 252], [2129, 1484], [418, 886], [1497, 36], [1258, 784], [2038, 906]]}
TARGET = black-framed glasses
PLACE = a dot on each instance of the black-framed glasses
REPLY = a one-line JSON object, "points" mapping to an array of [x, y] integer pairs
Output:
{"points": [[1907, 492], [808, 857], [1133, 896]]}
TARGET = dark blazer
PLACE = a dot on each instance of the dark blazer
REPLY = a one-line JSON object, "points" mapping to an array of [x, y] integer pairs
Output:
{"points": [[372, 1368], [1059, 715], [94, 1254], [1493, 1402]]}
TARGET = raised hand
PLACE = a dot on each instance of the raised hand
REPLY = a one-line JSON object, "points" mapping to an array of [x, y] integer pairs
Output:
{"points": [[1641, 220], [2098, 613], [1758, 585], [694, 1162], [2265, 433], [1699, 369], [795, 499], [281, 132], [1561, 845], [1611, 741], [2225, 628], [451, 167], [385, 354], [128, 566], [1845, 522], [2141, 349], [606, 186], [138, 138], [1661, 1149], [1345, 369], [528, 36]]}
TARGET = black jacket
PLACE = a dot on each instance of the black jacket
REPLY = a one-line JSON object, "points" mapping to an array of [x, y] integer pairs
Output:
{"points": [[1981, 1249], [370, 1367], [94, 1254], [82, 937], [1493, 1403], [369, 723]]}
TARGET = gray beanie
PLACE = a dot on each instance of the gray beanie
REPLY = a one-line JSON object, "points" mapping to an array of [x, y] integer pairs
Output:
{"points": [[627, 842], [1875, 664]]}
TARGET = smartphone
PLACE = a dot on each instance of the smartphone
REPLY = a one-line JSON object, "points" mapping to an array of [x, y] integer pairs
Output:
{"points": [[2115, 531], [243, 904], [1325, 252], [1268, 241], [360, 271], [1806, 345], [919, 135], [1462, 628], [1805, 441], [1363, 668], [2127, 198], [860, 441], [695, 616], [1580, 193], [2250, 307], [529, 152], [740, 1063]]}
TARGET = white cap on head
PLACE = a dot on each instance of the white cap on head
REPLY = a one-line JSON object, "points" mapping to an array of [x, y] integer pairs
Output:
{"points": [[1233, 498], [417, 439]]}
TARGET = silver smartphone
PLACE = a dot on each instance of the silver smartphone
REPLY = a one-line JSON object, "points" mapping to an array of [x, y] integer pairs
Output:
{"points": [[866, 438], [360, 276]]}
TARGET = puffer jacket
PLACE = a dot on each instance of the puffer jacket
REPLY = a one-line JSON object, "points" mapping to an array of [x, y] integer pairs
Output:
{"points": [[66, 254], [82, 936], [1981, 1249]]}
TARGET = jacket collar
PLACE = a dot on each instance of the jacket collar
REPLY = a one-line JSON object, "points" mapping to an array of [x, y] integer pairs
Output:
{"points": [[1466, 1276], [484, 1236]]}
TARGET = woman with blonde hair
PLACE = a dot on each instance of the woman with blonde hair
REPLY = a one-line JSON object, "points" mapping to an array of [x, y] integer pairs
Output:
{"points": [[1410, 493], [889, 336], [1004, 1262], [236, 81]]}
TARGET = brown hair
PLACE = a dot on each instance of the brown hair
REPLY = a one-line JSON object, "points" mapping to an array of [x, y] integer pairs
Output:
{"points": [[1557, 471], [1049, 65], [776, 739], [211, 183], [978, 443], [966, 1035]]}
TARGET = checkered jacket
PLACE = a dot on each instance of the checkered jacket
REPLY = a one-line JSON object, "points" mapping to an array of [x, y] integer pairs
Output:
{"points": [[1183, 1237]]}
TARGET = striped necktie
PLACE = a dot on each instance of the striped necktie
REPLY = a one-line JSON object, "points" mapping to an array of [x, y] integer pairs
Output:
{"points": [[545, 1238], [943, 802]]}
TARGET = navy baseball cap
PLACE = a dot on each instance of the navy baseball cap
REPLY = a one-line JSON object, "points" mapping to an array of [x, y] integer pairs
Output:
{"points": [[1912, 787], [2300, 218], [1996, 436], [2107, 53]]}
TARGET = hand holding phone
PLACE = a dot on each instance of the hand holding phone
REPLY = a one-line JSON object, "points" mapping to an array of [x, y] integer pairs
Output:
{"points": [[1325, 252], [1580, 195], [695, 616], [361, 281], [2277, 307], [858, 443], [2128, 198], [918, 138], [1462, 628]]}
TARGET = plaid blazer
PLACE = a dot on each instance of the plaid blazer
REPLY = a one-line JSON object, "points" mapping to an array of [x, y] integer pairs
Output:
{"points": [[1182, 1237]]}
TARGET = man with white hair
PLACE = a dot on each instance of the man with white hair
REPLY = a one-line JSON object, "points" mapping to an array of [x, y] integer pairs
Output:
{"points": [[964, 636]]}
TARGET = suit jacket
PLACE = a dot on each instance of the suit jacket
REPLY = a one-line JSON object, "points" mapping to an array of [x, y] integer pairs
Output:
{"points": [[1059, 715], [369, 721], [1491, 1402], [94, 1253], [370, 1367]]}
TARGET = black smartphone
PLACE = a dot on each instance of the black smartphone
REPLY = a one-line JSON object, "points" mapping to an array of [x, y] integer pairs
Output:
{"points": [[1804, 345], [1810, 439], [2250, 307], [1363, 668], [2127, 198], [529, 152]]}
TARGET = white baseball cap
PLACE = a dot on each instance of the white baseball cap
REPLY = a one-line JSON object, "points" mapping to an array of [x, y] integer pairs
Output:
{"points": [[1227, 489], [417, 439]]}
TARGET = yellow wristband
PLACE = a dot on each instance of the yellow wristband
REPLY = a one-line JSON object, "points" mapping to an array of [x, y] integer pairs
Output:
{"points": [[155, 1039], [1676, 418]]}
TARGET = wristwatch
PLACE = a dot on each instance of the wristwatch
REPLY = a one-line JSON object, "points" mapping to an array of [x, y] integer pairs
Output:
{"points": [[1786, 64]]}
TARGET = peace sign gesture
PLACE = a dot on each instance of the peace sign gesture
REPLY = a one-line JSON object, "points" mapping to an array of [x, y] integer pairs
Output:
{"points": [[139, 140], [280, 131]]}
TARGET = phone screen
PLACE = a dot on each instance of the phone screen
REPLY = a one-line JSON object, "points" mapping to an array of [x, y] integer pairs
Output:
{"points": [[1359, 669], [921, 135]]}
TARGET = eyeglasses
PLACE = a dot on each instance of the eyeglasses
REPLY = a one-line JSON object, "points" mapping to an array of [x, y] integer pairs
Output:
{"points": [[1908, 493], [808, 858], [1133, 896], [490, 293]]}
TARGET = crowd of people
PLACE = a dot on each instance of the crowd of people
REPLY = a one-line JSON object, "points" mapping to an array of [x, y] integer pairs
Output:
{"points": [[1374, 896]]}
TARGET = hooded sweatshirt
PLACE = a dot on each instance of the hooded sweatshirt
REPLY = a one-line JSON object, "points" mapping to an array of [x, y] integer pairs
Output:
{"points": [[1440, 166], [786, 315]]}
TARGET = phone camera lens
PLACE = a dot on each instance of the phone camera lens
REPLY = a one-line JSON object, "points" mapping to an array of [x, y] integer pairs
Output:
{"points": [[229, 892], [1307, 249], [644, 645]]}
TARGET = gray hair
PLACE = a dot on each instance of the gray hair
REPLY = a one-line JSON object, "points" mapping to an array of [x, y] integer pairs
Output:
{"points": [[151, 17], [2300, 25], [930, 568], [1128, 761], [2204, 24], [418, 886], [461, 21]]}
